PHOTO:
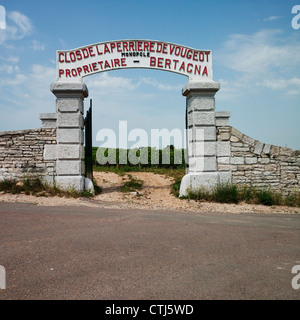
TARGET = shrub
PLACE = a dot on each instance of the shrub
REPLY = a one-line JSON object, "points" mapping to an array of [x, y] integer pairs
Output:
{"points": [[226, 193]]}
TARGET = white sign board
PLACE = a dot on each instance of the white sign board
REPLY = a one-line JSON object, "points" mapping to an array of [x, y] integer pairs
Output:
{"points": [[73, 65]]}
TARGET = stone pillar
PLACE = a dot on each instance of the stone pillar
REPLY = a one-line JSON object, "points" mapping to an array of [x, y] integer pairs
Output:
{"points": [[202, 168], [69, 151]]}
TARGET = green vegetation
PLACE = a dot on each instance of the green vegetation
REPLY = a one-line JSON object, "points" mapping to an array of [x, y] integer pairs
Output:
{"points": [[146, 157], [132, 185], [228, 193], [36, 187]]}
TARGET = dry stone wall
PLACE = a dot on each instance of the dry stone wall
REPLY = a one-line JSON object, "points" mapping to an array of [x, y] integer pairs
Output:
{"points": [[22, 154], [258, 164]]}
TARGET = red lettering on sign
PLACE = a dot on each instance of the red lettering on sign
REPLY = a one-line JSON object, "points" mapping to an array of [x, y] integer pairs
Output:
{"points": [[72, 56], [78, 55], [100, 64], [201, 56], [131, 45], [123, 62], [177, 51], [119, 49], [85, 53], [94, 65], [61, 72], [195, 55], [59, 57], [68, 73], [175, 63], [91, 51], [79, 70], [205, 71], [197, 70], [66, 59], [146, 46], [182, 67], [207, 54], [172, 47], [183, 53], [164, 49], [112, 46], [85, 69], [117, 62], [106, 64], [125, 46], [152, 44], [106, 49], [189, 68], [160, 62], [159, 47], [152, 61], [189, 54], [167, 63], [98, 51], [139, 46]]}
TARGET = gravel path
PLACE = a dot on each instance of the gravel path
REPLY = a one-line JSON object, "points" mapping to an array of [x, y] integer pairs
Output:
{"points": [[155, 195]]}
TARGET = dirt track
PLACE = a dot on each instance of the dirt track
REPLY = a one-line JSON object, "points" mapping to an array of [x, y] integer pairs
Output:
{"points": [[155, 194]]}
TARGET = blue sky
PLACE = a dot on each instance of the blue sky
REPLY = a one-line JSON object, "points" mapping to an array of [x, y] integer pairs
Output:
{"points": [[255, 58]]}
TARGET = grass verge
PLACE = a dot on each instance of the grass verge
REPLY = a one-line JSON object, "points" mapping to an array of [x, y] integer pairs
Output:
{"points": [[228, 193], [36, 187]]}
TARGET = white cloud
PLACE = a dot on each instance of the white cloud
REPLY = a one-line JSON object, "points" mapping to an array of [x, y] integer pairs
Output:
{"points": [[18, 26], [265, 58], [36, 46], [159, 85], [272, 18]]}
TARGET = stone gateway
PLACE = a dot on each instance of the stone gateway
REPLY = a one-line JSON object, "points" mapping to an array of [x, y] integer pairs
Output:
{"points": [[73, 65], [216, 152]]}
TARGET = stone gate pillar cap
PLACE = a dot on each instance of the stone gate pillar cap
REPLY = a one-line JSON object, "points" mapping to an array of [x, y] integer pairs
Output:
{"points": [[200, 86], [69, 87]]}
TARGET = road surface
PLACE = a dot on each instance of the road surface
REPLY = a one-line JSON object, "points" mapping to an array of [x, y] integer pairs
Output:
{"points": [[92, 253]]}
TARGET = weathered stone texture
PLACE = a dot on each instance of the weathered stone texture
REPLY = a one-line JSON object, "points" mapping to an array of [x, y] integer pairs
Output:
{"points": [[22, 153], [254, 163]]}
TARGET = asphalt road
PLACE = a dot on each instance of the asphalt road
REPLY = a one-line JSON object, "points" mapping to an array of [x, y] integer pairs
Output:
{"points": [[87, 253]]}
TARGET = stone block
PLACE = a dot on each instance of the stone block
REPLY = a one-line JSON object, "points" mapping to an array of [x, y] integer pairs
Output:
{"points": [[203, 134], [50, 152], [205, 180], [200, 103], [267, 148], [69, 105], [223, 149], [224, 136], [48, 120], [202, 164], [70, 120], [234, 139], [264, 160], [205, 148], [201, 118], [250, 160], [222, 118], [200, 88], [248, 140], [237, 160], [258, 147], [236, 133], [70, 152], [223, 160], [225, 177], [69, 135], [70, 182], [70, 167]]}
